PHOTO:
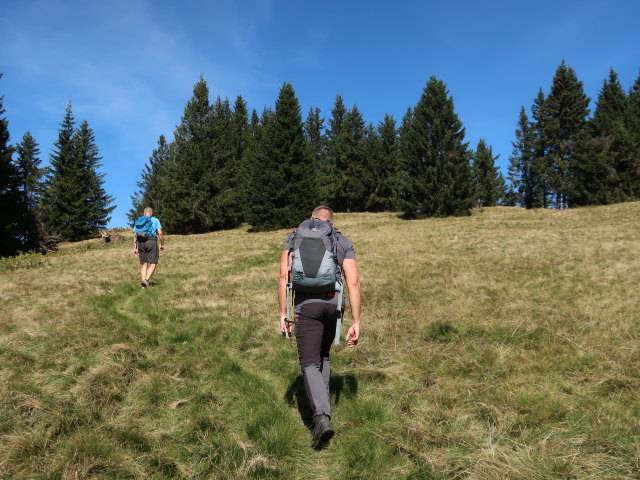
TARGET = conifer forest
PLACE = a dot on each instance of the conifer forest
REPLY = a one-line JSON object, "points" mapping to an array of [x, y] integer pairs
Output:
{"points": [[226, 165]]}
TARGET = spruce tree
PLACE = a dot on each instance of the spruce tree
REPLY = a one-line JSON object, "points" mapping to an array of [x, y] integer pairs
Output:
{"points": [[228, 142], [313, 131], [30, 172], [337, 149], [63, 203], [351, 169], [437, 170], [372, 155], [191, 176], [240, 128], [542, 168], [633, 123], [490, 185], [385, 159], [30, 184], [284, 177], [231, 173], [403, 147], [97, 202], [510, 198], [595, 180], [405, 127], [201, 185], [318, 144], [336, 122], [250, 160], [521, 178], [151, 191], [612, 148], [75, 204], [10, 204], [565, 131]]}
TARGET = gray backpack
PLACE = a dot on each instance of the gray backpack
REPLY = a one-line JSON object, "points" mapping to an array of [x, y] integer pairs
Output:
{"points": [[314, 264]]}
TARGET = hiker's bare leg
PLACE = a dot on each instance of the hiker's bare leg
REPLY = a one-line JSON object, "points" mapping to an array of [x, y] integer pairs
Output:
{"points": [[150, 269], [143, 271]]}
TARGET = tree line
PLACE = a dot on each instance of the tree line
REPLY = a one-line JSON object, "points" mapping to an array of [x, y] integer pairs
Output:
{"points": [[65, 201], [564, 158], [225, 166]]}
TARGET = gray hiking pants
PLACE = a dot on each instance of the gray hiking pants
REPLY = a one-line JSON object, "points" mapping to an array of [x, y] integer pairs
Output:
{"points": [[315, 331]]}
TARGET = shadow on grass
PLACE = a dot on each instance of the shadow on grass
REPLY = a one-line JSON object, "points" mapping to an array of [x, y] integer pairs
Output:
{"points": [[339, 386]]}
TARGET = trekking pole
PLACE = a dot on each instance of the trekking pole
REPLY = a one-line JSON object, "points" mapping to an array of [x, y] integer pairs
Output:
{"points": [[287, 320], [289, 299], [336, 340]]}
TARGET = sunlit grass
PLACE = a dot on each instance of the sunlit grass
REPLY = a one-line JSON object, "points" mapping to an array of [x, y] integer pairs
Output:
{"points": [[501, 345]]}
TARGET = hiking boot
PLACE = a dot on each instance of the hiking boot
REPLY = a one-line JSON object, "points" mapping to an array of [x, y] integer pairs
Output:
{"points": [[144, 283], [322, 433]]}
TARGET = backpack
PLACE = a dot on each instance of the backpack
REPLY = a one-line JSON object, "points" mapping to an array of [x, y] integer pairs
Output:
{"points": [[314, 262], [143, 226]]}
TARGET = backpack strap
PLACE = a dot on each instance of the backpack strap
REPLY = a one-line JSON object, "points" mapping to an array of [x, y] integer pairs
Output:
{"points": [[334, 245], [339, 285], [336, 340]]}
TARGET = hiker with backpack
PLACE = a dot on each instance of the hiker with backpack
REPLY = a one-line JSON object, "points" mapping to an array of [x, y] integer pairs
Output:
{"points": [[146, 233], [316, 264]]}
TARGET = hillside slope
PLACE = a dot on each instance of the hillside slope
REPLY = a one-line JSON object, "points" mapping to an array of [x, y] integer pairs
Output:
{"points": [[501, 345]]}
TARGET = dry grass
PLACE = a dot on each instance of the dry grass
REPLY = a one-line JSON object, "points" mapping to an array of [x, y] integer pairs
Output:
{"points": [[498, 346]]}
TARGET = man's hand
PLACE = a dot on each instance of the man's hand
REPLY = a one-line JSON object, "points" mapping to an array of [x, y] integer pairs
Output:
{"points": [[135, 251], [160, 240], [285, 325], [350, 269], [282, 292], [353, 335]]}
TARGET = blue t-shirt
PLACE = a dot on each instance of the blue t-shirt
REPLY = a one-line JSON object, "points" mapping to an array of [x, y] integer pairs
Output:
{"points": [[156, 225]]}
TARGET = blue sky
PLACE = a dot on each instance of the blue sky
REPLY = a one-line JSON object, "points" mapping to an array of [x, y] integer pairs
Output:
{"points": [[128, 67]]}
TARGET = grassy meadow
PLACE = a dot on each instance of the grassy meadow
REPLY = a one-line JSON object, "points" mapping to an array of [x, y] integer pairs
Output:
{"points": [[504, 345]]}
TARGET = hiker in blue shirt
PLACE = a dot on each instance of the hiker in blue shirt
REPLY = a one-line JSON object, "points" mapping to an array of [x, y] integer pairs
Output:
{"points": [[318, 311], [146, 233]]}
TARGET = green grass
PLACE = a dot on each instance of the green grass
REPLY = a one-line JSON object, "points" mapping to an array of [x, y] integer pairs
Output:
{"points": [[498, 346]]}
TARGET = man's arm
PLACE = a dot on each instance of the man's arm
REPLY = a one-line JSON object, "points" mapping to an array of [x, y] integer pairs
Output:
{"points": [[350, 270], [161, 238], [283, 279], [135, 245]]}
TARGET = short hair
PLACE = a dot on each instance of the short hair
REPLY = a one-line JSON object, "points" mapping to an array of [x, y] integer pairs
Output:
{"points": [[148, 210], [323, 211]]}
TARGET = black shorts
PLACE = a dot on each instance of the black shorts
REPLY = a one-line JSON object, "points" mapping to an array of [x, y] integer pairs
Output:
{"points": [[148, 250]]}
